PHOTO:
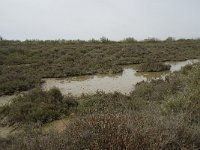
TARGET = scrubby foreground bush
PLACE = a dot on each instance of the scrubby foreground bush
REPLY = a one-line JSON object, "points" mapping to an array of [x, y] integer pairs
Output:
{"points": [[115, 131], [37, 106]]}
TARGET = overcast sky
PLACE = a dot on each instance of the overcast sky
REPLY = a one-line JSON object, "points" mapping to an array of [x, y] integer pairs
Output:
{"points": [[86, 19]]}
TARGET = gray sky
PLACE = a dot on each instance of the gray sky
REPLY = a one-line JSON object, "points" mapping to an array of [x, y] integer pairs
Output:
{"points": [[86, 19]]}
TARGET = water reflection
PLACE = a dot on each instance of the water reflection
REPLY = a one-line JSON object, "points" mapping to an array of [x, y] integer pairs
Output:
{"points": [[122, 83]]}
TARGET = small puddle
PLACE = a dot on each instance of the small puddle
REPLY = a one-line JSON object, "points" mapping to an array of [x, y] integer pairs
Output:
{"points": [[124, 82]]}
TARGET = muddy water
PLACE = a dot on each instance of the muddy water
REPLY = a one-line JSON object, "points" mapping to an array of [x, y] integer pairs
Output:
{"points": [[124, 82], [176, 66]]}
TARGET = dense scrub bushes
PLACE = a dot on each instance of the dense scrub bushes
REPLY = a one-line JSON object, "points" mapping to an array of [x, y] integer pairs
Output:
{"points": [[162, 114], [114, 131], [37, 106], [129, 131], [17, 78], [157, 90], [153, 67], [23, 64], [178, 94], [111, 102], [186, 102]]}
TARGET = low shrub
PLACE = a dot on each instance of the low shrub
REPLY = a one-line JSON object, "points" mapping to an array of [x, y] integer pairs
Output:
{"points": [[115, 131], [157, 90], [187, 103], [111, 102], [37, 106], [153, 67]]}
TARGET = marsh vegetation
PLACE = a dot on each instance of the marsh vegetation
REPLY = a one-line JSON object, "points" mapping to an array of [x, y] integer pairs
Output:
{"points": [[24, 64], [160, 114], [153, 67], [37, 106]]}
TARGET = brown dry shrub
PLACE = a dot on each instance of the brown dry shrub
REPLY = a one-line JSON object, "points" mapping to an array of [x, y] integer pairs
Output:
{"points": [[114, 131], [122, 131]]}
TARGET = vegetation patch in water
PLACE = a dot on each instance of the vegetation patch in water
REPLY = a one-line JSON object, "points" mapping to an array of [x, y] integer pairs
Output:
{"points": [[153, 67]]}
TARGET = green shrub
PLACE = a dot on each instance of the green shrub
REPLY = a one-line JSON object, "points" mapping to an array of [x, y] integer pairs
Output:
{"points": [[104, 40], [112, 102], [187, 101], [153, 67], [129, 40], [38, 106], [157, 90]]}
